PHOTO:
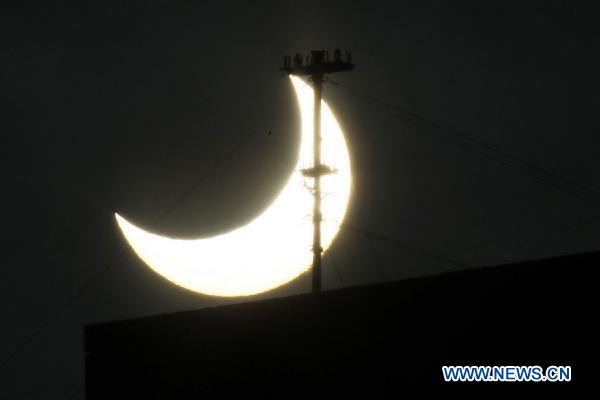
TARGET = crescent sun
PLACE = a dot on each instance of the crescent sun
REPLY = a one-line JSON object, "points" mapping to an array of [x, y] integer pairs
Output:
{"points": [[275, 247]]}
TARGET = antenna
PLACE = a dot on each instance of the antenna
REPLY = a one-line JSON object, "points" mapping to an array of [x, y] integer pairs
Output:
{"points": [[315, 66]]}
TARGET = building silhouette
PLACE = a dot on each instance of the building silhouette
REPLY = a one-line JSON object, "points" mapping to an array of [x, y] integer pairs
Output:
{"points": [[380, 340]]}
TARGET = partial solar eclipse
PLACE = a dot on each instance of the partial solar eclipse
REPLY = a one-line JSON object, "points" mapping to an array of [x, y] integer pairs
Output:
{"points": [[276, 246]]}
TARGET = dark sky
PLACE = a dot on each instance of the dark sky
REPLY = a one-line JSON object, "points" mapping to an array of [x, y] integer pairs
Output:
{"points": [[124, 106]]}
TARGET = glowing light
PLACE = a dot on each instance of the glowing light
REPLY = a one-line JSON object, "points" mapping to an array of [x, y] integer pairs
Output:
{"points": [[275, 247]]}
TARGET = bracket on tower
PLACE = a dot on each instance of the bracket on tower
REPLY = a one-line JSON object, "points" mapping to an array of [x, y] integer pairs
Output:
{"points": [[317, 63]]}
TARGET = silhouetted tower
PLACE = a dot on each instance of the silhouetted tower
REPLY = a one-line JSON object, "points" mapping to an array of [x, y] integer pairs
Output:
{"points": [[315, 67]]}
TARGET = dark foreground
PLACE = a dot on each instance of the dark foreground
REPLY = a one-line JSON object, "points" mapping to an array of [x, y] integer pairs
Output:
{"points": [[383, 340]]}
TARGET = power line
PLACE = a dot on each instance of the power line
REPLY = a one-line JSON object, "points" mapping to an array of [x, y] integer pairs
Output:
{"points": [[372, 251], [520, 229], [395, 242], [535, 238], [61, 310], [96, 278], [216, 166], [525, 167], [544, 175], [331, 259], [378, 237]]}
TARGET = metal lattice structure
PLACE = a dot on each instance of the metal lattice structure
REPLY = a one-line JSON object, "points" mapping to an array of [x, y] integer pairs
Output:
{"points": [[315, 66]]}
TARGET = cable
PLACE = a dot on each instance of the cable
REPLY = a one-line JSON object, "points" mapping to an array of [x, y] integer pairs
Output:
{"points": [[61, 309], [123, 251], [449, 133], [452, 136], [376, 260], [395, 242], [520, 229], [372, 251], [216, 166], [337, 271], [562, 228]]}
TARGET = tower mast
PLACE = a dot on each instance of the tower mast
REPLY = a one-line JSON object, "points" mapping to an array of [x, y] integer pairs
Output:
{"points": [[315, 67]]}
